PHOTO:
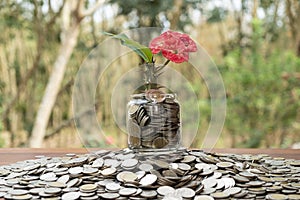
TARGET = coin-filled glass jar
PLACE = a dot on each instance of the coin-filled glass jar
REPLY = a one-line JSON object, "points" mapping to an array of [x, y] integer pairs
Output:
{"points": [[153, 122]]}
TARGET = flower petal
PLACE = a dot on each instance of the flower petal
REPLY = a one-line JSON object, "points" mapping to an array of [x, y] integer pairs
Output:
{"points": [[156, 44], [175, 57], [175, 46]]}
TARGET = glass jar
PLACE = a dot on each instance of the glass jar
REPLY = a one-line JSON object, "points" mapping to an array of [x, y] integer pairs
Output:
{"points": [[153, 122]]}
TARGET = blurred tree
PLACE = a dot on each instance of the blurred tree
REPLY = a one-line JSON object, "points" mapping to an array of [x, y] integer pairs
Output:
{"points": [[73, 14], [293, 14], [253, 42], [173, 14]]}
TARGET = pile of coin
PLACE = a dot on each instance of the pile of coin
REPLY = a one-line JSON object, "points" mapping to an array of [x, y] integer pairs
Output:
{"points": [[185, 174], [154, 124]]}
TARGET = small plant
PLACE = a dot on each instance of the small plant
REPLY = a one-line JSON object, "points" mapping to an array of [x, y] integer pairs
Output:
{"points": [[174, 46]]}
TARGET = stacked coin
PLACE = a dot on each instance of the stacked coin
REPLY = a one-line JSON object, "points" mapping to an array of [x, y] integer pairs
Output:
{"points": [[154, 124], [179, 175]]}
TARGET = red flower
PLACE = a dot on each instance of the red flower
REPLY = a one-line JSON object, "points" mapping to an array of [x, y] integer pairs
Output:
{"points": [[174, 46]]}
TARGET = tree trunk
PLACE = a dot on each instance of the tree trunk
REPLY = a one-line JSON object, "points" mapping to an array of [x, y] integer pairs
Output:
{"points": [[52, 88], [175, 14], [72, 15]]}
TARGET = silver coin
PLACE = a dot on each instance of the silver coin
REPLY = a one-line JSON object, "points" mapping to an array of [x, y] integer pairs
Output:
{"points": [[36, 191], [75, 170], [57, 184], [31, 167], [17, 192], [48, 177], [140, 174], [132, 110], [220, 195], [71, 196], [149, 194], [22, 197], [127, 177], [276, 197], [186, 192], [149, 179], [113, 186], [225, 164], [209, 182], [127, 191], [98, 163], [52, 190], [109, 195], [129, 163], [88, 187], [233, 190], [108, 171], [73, 182], [203, 197], [145, 167], [164, 190], [63, 179]]}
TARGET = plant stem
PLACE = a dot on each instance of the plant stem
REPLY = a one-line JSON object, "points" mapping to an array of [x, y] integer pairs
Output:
{"points": [[151, 73], [167, 62]]}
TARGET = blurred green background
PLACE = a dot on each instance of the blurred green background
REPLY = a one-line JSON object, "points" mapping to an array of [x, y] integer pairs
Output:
{"points": [[255, 44]]}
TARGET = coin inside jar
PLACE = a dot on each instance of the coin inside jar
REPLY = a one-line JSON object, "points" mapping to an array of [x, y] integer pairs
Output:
{"points": [[133, 110], [155, 95], [159, 142]]}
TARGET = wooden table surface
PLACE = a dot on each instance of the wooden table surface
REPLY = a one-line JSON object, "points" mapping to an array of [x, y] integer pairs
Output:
{"points": [[11, 155]]}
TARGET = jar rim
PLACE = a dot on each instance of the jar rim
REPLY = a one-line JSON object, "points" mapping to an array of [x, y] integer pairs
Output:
{"points": [[143, 95]]}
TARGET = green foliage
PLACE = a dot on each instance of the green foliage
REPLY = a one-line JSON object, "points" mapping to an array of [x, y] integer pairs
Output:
{"points": [[146, 9], [154, 13], [141, 50], [217, 15], [263, 92]]}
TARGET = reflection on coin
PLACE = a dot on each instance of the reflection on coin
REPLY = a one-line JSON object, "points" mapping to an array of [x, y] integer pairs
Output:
{"points": [[127, 191], [18, 192], [88, 187], [73, 182], [149, 179], [220, 195], [233, 190], [133, 110], [203, 197], [22, 197], [224, 164], [276, 196], [127, 176], [113, 186], [293, 196], [209, 182], [164, 190], [70, 196], [149, 194], [109, 195], [186, 192], [129, 163], [48, 177], [159, 142], [63, 179], [75, 170], [57, 185], [145, 167], [108, 171], [52, 190]]}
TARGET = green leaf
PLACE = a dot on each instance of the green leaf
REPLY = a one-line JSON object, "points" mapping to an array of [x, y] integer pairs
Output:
{"points": [[140, 49]]}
